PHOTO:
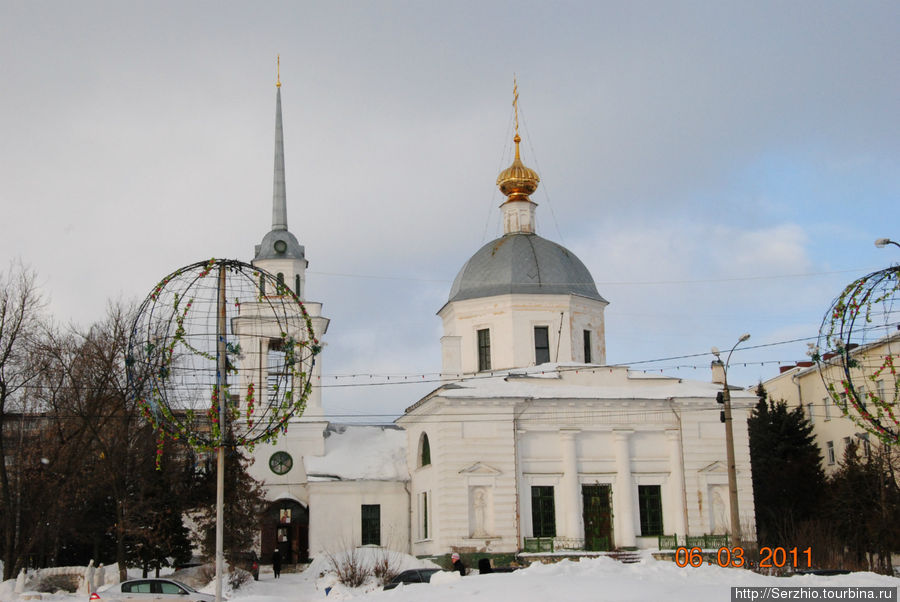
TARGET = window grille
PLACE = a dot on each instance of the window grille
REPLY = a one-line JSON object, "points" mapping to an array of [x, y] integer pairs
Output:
{"points": [[543, 511], [650, 504], [371, 524]]}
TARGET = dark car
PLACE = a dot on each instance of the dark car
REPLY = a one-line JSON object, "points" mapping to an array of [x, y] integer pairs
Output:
{"points": [[412, 576], [248, 561]]}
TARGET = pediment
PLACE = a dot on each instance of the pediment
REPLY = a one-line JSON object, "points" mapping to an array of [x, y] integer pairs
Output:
{"points": [[480, 468], [716, 467]]}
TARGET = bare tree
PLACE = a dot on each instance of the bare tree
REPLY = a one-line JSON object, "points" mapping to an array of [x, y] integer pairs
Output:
{"points": [[95, 411], [21, 313]]}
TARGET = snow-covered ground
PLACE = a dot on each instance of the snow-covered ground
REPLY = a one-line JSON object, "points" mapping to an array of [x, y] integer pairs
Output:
{"points": [[594, 579]]}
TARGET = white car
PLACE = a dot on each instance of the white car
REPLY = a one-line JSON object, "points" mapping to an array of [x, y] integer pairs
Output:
{"points": [[140, 590]]}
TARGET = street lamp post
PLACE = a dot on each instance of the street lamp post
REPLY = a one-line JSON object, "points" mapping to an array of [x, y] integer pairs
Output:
{"points": [[729, 448], [883, 242]]}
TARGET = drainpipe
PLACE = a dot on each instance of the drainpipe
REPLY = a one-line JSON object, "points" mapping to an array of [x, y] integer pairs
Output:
{"points": [[409, 540], [799, 393]]}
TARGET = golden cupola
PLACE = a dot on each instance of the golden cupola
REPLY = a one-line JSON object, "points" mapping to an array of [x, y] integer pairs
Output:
{"points": [[518, 181]]}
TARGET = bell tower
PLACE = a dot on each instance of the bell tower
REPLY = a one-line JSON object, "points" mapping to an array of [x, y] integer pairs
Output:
{"points": [[282, 255]]}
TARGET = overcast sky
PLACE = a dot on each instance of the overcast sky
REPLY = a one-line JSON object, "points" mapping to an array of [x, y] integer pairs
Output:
{"points": [[720, 167]]}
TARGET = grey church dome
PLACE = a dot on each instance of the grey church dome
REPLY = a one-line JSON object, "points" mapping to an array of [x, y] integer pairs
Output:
{"points": [[523, 263]]}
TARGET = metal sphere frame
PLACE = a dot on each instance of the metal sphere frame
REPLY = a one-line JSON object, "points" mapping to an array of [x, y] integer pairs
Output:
{"points": [[221, 326], [865, 316]]}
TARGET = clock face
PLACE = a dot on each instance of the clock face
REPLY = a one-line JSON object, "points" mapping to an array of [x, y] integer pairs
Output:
{"points": [[280, 246], [281, 462]]}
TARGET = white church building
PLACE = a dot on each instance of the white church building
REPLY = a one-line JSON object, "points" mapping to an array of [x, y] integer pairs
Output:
{"points": [[531, 442]]}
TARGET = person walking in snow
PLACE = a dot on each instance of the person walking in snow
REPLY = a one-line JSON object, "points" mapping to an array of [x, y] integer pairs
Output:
{"points": [[458, 564], [276, 562]]}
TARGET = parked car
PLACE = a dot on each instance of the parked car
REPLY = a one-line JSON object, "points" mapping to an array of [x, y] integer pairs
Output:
{"points": [[138, 590], [412, 576]]}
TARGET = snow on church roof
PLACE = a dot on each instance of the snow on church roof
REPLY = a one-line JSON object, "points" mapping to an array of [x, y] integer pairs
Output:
{"points": [[580, 381], [360, 453]]}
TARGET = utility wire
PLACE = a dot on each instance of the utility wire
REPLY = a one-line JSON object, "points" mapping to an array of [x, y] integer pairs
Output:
{"points": [[602, 283]]}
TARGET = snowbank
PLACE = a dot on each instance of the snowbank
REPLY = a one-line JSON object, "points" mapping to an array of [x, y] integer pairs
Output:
{"points": [[322, 569]]}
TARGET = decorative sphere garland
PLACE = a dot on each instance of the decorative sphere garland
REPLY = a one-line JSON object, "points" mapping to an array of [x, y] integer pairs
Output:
{"points": [[173, 356], [864, 314]]}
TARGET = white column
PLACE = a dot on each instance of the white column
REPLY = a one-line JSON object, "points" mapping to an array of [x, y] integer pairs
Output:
{"points": [[624, 497], [314, 409], [676, 480], [571, 521]]}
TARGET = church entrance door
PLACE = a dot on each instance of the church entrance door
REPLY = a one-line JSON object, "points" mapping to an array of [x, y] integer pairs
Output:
{"points": [[597, 514], [286, 527]]}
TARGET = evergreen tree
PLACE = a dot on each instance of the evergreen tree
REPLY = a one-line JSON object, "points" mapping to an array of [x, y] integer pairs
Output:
{"points": [[863, 502], [788, 480], [244, 506], [157, 536]]}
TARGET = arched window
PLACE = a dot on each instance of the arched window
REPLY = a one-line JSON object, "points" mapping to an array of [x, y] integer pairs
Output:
{"points": [[280, 290], [297, 285], [424, 450], [262, 285]]}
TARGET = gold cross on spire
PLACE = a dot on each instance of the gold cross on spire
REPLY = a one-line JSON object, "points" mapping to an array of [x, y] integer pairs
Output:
{"points": [[278, 63], [516, 102]]}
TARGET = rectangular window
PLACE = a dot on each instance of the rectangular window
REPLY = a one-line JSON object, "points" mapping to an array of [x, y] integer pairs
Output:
{"points": [[484, 350], [371, 524], [809, 413], [864, 441], [170, 589], [587, 346], [543, 511], [827, 403], [423, 515], [541, 345], [846, 444], [829, 451], [278, 373], [650, 505], [141, 587]]}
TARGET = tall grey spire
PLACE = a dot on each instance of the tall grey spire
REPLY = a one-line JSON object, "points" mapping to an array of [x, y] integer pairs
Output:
{"points": [[279, 243], [279, 196]]}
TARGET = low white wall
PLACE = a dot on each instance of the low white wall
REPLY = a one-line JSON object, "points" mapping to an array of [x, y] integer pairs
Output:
{"points": [[335, 514]]}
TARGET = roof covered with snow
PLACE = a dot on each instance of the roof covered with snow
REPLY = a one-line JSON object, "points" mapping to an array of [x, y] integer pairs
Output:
{"points": [[384, 458], [580, 381]]}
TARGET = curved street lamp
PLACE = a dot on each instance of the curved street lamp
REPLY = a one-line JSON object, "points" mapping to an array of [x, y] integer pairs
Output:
{"points": [[883, 242], [729, 447]]}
